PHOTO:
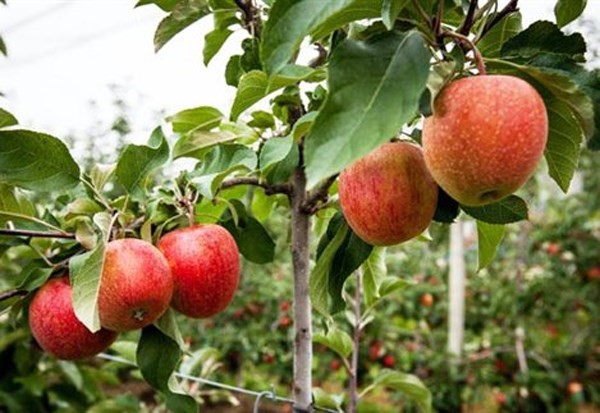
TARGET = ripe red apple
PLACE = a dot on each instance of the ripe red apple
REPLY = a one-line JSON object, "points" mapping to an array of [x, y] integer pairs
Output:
{"points": [[593, 273], [335, 364], [375, 350], [388, 361], [388, 196], [500, 398], [426, 300], [136, 285], [56, 328], [205, 263], [552, 248], [285, 321], [574, 387], [485, 137]]}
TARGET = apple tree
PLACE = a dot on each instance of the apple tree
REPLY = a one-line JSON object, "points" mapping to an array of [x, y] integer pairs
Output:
{"points": [[321, 86]]}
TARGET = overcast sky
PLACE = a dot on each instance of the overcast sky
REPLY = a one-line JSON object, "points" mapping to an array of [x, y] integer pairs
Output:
{"points": [[64, 53]]}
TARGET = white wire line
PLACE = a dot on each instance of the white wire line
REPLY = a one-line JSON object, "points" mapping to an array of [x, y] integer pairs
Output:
{"points": [[42, 14], [270, 394]]}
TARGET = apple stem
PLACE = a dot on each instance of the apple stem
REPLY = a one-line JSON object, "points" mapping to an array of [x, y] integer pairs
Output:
{"points": [[302, 305], [461, 39], [353, 387]]}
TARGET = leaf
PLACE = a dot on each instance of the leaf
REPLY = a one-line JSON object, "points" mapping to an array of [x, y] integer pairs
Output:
{"points": [[213, 41], [167, 324], [564, 143], [7, 119], [362, 112], [166, 5], [255, 85], [12, 201], [290, 21], [185, 13], [85, 272], [3, 48], [491, 44], [337, 340], [568, 10], [101, 174], [410, 386], [137, 161], [303, 125], [157, 357], [489, 236], [34, 277], [219, 162], [391, 10], [194, 144], [447, 209], [273, 151], [544, 37], [374, 271], [36, 161], [203, 118], [505, 211], [72, 372], [251, 237], [390, 285]]}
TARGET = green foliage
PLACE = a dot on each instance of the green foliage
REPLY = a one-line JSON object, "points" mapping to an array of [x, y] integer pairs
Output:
{"points": [[567, 11], [505, 211], [183, 14]]}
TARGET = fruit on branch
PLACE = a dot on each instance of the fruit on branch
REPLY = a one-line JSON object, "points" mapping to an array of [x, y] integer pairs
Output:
{"points": [[574, 388], [388, 196], [56, 328], [205, 263], [593, 273], [388, 361], [136, 285], [485, 137], [426, 300]]}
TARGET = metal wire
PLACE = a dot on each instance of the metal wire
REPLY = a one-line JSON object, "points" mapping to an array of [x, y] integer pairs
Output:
{"points": [[259, 395]]}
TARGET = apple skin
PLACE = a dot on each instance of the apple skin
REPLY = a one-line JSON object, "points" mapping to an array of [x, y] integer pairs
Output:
{"points": [[485, 137], [388, 196], [205, 263], [136, 285], [56, 328]]}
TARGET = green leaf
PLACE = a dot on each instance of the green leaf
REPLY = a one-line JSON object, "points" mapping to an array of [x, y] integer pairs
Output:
{"points": [[72, 372], [303, 125], [34, 277], [390, 285], [337, 340], [195, 144], [391, 10], [564, 143], [374, 272], [544, 37], [568, 10], [167, 324], [362, 112], [410, 386], [36, 161], [255, 85], [447, 209], [290, 21], [85, 272], [213, 41], [489, 236], [491, 44], [101, 174], [185, 13], [505, 211], [3, 48], [203, 118], [252, 239], [273, 151], [166, 5], [7, 119], [137, 161], [12, 201], [157, 357], [219, 162]]}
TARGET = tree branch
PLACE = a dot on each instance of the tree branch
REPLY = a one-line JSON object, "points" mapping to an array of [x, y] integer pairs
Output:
{"points": [[512, 6], [36, 234], [10, 294], [466, 25], [318, 195], [252, 20], [464, 40], [270, 189]]}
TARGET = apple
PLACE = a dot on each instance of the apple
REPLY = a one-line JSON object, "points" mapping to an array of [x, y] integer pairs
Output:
{"points": [[485, 137], [205, 263], [426, 300], [500, 398], [574, 388], [56, 328], [335, 364], [388, 196], [285, 306], [375, 350], [388, 361], [552, 248], [285, 321], [593, 273], [136, 285]]}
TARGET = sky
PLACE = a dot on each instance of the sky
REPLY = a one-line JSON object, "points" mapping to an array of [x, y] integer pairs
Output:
{"points": [[63, 54]]}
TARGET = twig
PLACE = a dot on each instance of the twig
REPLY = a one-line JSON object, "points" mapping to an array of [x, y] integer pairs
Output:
{"points": [[466, 25], [422, 12], [511, 7], [252, 20], [321, 57], [36, 234], [11, 294], [464, 40], [317, 196], [353, 387], [270, 189]]}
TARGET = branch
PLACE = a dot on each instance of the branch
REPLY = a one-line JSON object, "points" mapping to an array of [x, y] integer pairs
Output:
{"points": [[36, 234], [422, 12], [270, 189], [464, 40], [252, 20], [14, 293], [466, 25], [511, 7], [320, 194]]}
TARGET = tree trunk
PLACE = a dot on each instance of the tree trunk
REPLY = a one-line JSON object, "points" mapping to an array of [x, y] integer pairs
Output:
{"points": [[302, 305], [457, 290]]}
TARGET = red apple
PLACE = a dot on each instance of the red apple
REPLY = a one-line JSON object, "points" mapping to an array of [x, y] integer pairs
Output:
{"points": [[388, 361], [335, 365], [593, 273], [388, 196], [136, 285], [285, 306], [285, 321], [205, 263], [500, 398], [375, 350], [485, 138], [552, 248], [574, 387], [426, 300], [56, 328]]}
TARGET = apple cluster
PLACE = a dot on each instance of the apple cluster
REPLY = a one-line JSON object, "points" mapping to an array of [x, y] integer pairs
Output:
{"points": [[483, 141], [195, 270]]}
